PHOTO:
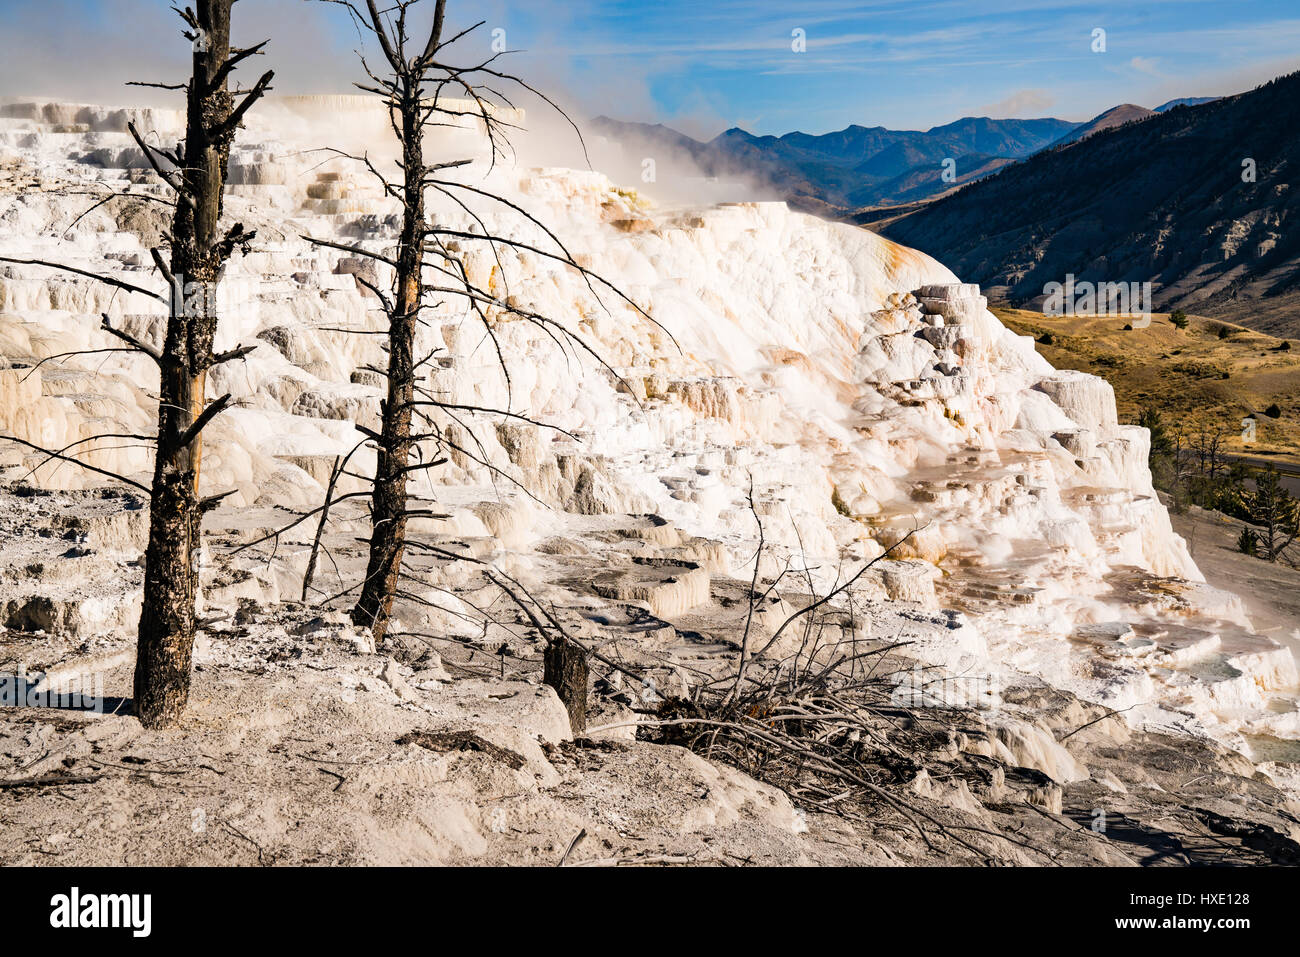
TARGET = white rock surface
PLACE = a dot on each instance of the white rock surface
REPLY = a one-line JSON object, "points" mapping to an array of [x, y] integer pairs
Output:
{"points": [[868, 395]]}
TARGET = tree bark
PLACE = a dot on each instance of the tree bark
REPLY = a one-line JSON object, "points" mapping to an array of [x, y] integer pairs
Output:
{"points": [[198, 255], [388, 508], [566, 671]]}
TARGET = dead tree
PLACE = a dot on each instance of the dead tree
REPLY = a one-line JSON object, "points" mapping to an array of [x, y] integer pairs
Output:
{"points": [[405, 95], [199, 249], [416, 86]]}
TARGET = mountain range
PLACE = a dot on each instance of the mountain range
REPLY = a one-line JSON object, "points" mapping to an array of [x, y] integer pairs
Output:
{"points": [[854, 171], [837, 173], [1162, 195], [1200, 200]]}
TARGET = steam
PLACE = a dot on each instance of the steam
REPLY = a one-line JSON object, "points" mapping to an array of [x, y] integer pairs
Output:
{"points": [[649, 164], [95, 50]]}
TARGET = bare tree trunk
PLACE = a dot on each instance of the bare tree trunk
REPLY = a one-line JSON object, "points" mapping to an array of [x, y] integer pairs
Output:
{"points": [[198, 257], [566, 671], [388, 509]]}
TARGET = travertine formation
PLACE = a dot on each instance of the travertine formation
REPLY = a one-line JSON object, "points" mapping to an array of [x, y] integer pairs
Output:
{"points": [[868, 398]]}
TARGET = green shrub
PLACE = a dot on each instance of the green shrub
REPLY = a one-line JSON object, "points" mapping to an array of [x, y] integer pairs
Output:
{"points": [[1178, 318], [1273, 411], [1248, 542]]}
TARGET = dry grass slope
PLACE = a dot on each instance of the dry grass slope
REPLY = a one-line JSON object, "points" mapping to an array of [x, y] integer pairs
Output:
{"points": [[1197, 380]]}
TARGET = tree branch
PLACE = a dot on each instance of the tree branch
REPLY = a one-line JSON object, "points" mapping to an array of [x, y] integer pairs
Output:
{"points": [[106, 280], [214, 408], [131, 340]]}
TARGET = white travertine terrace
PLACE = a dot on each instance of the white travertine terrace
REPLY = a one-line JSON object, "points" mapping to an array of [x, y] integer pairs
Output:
{"points": [[863, 388]]}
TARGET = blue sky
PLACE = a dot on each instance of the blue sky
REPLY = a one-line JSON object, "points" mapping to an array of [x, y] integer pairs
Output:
{"points": [[705, 66]]}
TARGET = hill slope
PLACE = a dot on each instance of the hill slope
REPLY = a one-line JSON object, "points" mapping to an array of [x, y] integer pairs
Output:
{"points": [[1115, 116], [1185, 101], [1197, 380], [1161, 201]]}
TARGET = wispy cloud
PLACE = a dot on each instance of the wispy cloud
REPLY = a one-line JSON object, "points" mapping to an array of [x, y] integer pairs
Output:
{"points": [[1147, 65], [901, 63], [1021, 103]]}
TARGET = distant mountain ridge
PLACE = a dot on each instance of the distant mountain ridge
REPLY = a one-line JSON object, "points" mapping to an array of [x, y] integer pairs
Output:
{"points": [[1115, 116], [1202, 201], [863, 173], [1184, 101], [858, 165]]}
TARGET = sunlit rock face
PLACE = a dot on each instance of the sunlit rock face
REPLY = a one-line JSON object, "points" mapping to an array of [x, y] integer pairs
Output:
{"points": [[867, 396]]}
